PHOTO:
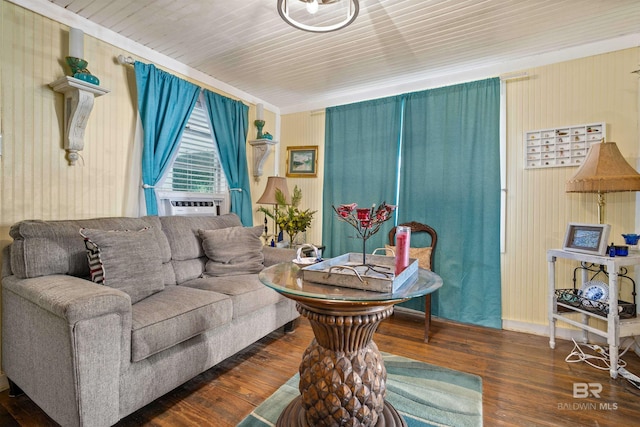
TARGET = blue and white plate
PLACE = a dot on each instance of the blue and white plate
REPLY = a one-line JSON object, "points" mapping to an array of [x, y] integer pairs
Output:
{"points": [[594, 290]]}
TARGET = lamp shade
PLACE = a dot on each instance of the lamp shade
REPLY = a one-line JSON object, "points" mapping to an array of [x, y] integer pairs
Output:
{"points": [[269, 196], [604, 171]]}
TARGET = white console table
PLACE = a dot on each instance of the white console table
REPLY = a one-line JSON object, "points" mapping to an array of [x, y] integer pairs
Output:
{"points": [[616, 328]]}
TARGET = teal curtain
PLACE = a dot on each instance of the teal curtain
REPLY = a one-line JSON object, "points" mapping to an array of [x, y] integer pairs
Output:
{"points": [[165, 103], [450, 179], [230, 121], [361, 151]]}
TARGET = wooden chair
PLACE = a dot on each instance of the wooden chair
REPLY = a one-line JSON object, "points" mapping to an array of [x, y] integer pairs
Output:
{"points": [[425, 260]]}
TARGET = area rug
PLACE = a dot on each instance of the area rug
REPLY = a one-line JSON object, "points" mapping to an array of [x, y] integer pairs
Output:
{"points": [[425, 395]]}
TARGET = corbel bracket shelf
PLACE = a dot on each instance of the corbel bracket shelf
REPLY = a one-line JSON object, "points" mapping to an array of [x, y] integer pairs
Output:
{"points": [[261, 149], [78, 103]]}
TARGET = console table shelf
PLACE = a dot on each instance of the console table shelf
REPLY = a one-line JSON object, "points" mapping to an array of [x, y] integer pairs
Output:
{"points": [[616, 328]]}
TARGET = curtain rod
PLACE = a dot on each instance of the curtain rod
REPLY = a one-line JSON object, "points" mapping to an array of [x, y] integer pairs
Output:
{"points": [[126, 60], [514, 76]]}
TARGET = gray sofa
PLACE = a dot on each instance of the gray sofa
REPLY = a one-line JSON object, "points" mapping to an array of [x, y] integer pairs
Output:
{"points": [[90, 354]]}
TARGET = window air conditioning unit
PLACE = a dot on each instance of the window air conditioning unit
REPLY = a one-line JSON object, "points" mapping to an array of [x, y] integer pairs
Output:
{"points": [[191, 205]]}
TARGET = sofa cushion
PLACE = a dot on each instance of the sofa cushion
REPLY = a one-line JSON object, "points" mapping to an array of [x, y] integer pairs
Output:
{"points": [[246, 291], [173, 316], [187, 255], [233, 250], [41, 248], [182, 232], [127, 260]]}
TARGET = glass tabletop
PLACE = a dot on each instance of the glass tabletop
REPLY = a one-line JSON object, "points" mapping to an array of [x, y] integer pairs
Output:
{"points": [[286, 278]]}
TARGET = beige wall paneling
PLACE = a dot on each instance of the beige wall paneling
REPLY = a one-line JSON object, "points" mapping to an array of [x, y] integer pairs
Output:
{"points": [[301, 129], [597, 88], [268, 169], [42, 185], [37, 181]]}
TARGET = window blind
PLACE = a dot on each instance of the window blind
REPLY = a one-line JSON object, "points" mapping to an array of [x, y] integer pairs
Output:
{"points": [[196, 167]]}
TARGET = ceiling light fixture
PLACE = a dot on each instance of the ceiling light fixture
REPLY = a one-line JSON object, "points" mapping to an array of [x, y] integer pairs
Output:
{"points": [[318, 16]]}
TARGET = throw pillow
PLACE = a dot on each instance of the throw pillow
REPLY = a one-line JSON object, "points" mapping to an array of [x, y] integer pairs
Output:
{"points": [[233, 250], [423, 255], [127, 260]]}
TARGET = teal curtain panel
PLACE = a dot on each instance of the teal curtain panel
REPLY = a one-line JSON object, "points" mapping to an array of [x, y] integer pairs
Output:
{"points": [[450, 179], [165, 103], [440, 149], [361, 150], [230, 123]]}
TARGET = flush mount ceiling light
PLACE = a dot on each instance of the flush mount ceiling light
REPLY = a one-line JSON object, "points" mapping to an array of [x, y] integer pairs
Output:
{"points": [[318, 16]]}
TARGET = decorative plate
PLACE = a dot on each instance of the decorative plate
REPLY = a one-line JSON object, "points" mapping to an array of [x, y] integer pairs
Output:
{"points": [[594, 290]]}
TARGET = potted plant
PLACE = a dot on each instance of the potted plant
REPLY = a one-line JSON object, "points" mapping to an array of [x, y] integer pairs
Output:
{"points": [[290, 218]]}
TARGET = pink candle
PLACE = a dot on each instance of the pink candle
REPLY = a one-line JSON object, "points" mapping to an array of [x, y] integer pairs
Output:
{"points": [[403, 240]]}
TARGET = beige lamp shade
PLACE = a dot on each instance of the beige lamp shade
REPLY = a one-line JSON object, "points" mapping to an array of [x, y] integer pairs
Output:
{"points": [[604, 171], [269, 196]]}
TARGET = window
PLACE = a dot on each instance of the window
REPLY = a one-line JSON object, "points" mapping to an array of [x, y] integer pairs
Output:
{"points": [[196, 167]]}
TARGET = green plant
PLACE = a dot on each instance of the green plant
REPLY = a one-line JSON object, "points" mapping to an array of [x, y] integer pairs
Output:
{"points": [[289, 217]]}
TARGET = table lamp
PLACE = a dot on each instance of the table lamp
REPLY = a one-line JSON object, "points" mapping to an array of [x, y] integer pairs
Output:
{"points": [[274, 183], [604, 171]]}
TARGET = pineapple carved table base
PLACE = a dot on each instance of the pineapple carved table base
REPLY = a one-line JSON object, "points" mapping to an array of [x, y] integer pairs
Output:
{"points": [[342, 374]]}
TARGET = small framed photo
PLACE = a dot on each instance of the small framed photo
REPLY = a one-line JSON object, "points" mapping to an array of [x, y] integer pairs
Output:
{"points": [[302, 161], [587, 238]]}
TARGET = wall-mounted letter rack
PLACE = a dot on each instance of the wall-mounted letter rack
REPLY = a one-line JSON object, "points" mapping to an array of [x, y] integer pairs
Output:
{"points": [[561, 147]]}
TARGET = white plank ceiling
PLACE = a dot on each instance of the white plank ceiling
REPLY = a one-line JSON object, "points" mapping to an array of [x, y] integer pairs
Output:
{"points": [[392, 44]]}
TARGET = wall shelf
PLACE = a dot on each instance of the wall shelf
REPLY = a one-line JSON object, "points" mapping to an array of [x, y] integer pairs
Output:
{"points": [[78, 103], [261, 149]]}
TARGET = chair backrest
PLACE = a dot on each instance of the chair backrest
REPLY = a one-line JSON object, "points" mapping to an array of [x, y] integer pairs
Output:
{"points": [[417, 227]]}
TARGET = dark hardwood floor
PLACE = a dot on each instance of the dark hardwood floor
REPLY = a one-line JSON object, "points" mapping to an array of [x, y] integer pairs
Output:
{"points": [[525, 383]]}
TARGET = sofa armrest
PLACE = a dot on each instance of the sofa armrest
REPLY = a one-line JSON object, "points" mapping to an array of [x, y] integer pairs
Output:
{"points": [[69, 297], [65, 342], [274, 256]]}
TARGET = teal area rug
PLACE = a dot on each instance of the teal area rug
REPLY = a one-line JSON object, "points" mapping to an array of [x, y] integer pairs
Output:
{"points": [[425, 395]]}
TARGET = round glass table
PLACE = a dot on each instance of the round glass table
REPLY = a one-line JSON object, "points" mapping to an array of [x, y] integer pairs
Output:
{"points": [[342, 374]]}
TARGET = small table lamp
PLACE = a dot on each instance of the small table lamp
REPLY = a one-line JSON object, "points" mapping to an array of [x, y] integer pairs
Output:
{"points": [[604, 171], [274, 183]]}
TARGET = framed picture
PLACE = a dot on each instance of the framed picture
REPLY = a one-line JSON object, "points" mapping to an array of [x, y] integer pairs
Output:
{"points": [[302, 162], [587, 238]]}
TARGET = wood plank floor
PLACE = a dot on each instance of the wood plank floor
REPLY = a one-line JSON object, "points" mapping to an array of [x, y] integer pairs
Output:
{"points": [[525, 383]]}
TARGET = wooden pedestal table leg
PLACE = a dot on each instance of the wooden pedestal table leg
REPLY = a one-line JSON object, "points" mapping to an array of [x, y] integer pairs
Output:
{"points": [[342, 374]]}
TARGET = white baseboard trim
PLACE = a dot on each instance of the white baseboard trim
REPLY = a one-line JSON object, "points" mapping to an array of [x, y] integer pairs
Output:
{"points": [[4, 381], [534, 329], [543, 330]]}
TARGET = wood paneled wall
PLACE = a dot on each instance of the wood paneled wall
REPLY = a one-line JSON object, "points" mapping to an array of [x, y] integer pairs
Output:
{"points": [[593, 89], [37, 182], [306, 129]]}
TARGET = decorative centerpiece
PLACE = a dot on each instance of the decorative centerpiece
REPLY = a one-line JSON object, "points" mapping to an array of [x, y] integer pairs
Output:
{"points": [[368, 272], [366, 221]]}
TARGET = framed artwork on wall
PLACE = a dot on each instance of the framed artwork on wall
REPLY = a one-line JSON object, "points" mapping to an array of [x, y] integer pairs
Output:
{"points": [[302, 161], [587, 238]]}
